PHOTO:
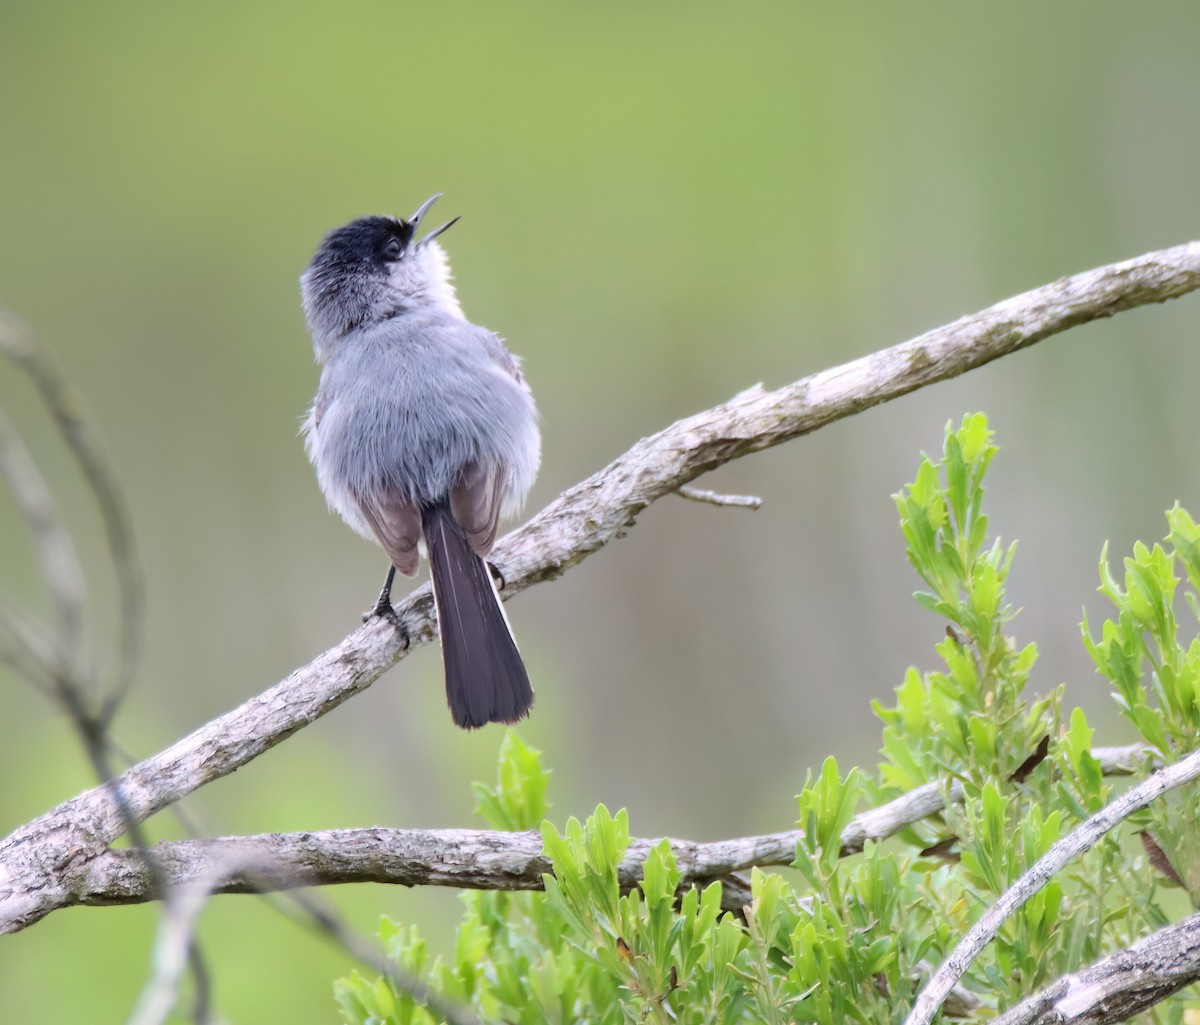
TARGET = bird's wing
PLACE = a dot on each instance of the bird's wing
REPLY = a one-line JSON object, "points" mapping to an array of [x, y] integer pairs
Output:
{"points": [[397, 526], [475, 505]]}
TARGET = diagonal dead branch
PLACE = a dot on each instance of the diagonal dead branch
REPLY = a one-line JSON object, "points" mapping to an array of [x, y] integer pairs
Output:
{"points": [[581, 521], [1119, 986], [1077, 842]]}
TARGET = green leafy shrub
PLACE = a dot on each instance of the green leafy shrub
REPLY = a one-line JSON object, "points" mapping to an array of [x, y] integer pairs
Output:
{"points": [[850, 939]]}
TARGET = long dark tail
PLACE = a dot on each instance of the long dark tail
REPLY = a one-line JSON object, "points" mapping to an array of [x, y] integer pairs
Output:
{"points": [[485, 677]]}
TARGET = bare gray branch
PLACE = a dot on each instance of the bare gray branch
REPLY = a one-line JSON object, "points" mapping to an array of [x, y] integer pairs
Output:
{"points": [[1077, 842], [60, 565], [172, 946], [65, 405], [465, 858], [716, 498], [1119, 986]]}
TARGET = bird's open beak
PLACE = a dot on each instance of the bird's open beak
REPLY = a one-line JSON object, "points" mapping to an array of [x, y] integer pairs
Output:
{"points": [[415, 219], [423, 209]]}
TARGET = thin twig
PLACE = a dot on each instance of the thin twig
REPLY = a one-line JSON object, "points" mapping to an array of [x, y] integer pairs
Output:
{"points": [[60, 567], [65, 406], [315, 915], [1080, 840], [181, 914], [173, 946], [56, 664], [319, 917], [25, 647], [716, 498]]}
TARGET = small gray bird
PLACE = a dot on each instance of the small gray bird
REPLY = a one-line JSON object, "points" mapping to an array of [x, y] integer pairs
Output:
{"points": [[422, 429]]}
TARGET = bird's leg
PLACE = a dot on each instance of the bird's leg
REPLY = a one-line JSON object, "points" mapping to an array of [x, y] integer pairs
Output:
{"points": [[497, 575], [383, 606]]}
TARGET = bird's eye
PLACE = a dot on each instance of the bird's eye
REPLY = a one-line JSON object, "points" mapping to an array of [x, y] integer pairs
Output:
{"points": [[393, 249]]}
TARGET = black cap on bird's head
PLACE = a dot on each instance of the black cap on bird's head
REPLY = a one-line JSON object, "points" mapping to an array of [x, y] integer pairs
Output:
{"points": [[378, 240], [368, 270]]}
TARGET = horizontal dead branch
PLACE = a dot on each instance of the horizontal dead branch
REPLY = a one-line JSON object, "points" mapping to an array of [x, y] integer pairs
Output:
{"points": [[466, 858]]}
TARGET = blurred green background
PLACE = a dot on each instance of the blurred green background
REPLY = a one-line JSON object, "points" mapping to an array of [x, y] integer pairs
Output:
{"points": [[662, 204]]}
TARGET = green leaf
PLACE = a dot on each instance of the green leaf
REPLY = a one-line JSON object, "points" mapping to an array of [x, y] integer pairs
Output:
{"points": [[826, 807], [518, 801]]}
